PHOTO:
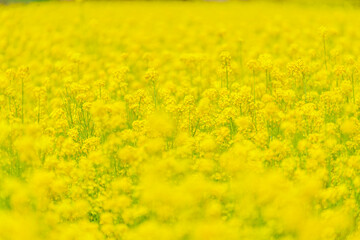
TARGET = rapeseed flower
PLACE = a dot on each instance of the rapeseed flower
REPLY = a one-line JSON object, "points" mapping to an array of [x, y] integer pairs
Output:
{"points": [[179, 121]]}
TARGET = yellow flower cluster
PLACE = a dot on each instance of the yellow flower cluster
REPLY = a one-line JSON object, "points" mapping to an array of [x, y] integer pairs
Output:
{"points": [[188, 121]]}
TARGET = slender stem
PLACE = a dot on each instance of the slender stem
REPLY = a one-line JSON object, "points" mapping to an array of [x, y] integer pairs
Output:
{"points": [[78, 71], [22, 100], [227, 76], [254, 85], [189, 122], [304, 82], [9, 105], [154, 87], [353, 86], [266, 81], [196, 127], [39, 111], [139, 105], [325, 61]]}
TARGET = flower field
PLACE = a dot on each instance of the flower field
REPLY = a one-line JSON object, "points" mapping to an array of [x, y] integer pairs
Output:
{"points": [[179, 120]]}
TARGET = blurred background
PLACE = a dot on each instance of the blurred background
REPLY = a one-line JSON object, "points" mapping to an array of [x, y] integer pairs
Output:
{"points": [[307, 2]]}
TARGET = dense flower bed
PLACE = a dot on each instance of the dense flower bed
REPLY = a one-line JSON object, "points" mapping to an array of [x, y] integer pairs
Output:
{"points": [[179, 121]]}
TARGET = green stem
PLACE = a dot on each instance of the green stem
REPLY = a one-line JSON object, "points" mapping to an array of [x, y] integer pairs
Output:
{"points": [[154, 87], [254, 84], [353, 86], [266, 80], [304, 82], [325, 61], [196, 127], [39, 111], [22, 100], [227, 77]]}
